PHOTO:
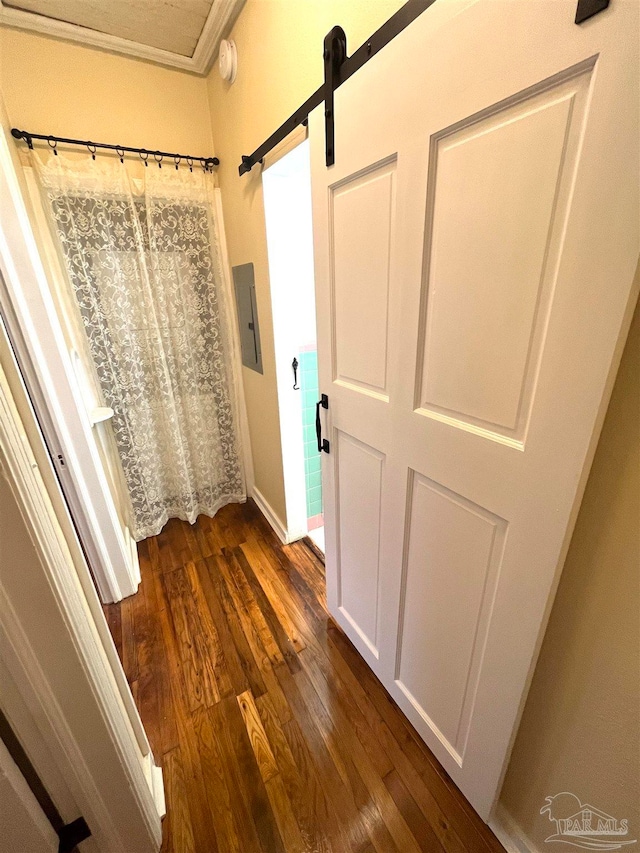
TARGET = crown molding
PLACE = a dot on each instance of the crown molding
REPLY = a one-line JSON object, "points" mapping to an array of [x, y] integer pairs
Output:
{"points": [[221, 18]]}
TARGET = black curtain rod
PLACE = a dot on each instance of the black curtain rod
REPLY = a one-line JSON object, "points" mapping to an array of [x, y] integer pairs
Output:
{"points": [[389, 30], [158, 156]]}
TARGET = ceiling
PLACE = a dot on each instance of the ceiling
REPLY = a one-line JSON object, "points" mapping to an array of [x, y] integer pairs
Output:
{"points": [[179, 33]]}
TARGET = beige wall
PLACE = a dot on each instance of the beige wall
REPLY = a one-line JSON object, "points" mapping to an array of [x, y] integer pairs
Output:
{"points": [[580, 731], [279, 65], [50, 86]]}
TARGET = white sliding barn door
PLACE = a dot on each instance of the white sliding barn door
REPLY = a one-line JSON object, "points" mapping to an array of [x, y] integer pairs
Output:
{"points": [[475, 247]]}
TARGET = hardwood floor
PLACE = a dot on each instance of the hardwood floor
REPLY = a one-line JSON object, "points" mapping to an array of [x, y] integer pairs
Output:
{"points": [[272, 732]]}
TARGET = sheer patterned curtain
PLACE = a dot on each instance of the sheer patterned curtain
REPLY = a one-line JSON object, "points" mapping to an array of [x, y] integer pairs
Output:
{"points": [[142, 255]]}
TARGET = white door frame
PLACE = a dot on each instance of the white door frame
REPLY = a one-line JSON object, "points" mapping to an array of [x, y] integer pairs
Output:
{"points": [[286, 343], [30, 315], [52, 648]]}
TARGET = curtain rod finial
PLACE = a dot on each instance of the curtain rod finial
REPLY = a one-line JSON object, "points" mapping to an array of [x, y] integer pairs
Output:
{"points": [[22, 134]]}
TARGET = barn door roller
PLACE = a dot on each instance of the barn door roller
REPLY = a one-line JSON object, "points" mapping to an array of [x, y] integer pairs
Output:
{"points": [[338, 67], [335, 53]]}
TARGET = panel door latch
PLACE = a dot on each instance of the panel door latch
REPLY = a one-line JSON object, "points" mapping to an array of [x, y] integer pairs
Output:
{"points": [[323, 443]]}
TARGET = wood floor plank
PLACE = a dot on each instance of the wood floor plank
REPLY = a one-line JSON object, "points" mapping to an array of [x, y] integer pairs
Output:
{"points": [[257, 737], [219, 663], [274, 784], [268, 580], [243, 769], [153, 552], [285, 819], [232, 658], [167, 732], [273, 734], [353, 833], [228, 832], [177, 829], [338, 699], [204, 545], [289, 575], [305, 795], [230, 617], [194, 648], [443, 810], [314, 791], [419, 826], [271, 617], [129, 646], [308, 568], [251, 605], [383, 819], [204, 822], [147, 656], [113, 615], [254, 638], [171, 547]]}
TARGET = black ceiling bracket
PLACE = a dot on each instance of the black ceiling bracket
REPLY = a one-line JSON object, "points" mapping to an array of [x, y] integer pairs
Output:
{"points": [[588, 8], [335, 53]]}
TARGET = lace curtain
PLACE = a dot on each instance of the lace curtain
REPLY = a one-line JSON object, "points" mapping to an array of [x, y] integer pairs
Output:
{"points": [[141, 251]]}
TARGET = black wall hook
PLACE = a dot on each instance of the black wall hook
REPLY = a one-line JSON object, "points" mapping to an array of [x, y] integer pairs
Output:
{"points": [[294, 364]]}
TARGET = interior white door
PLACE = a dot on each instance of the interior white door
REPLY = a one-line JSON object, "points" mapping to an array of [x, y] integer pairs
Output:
{"points": [[475, 245]]}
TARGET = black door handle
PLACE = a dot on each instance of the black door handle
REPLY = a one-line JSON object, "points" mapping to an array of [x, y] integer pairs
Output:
{"points": [[294, 365], [323, 444]]}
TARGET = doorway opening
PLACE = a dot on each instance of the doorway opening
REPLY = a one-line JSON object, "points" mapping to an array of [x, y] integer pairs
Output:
{"points": [[287, 203]]}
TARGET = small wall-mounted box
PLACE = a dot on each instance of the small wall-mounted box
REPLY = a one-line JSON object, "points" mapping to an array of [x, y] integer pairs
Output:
{"points": [[245, 289]]}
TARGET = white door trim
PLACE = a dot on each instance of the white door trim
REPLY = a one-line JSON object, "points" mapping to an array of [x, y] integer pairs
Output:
{"points": [[285, 270], [29, 312], [87, 729]]}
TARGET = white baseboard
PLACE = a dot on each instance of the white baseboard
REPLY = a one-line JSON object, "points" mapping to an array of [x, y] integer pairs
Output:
{"points": [[158, 789], [509, 833], [272, 517]]}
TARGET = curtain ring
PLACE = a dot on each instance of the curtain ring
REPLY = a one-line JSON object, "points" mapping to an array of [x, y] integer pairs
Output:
{"points": [[92, 149], [190, 162], [158, 158], [177, 160], [120, 153], [144, 156], [53, 144]]}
